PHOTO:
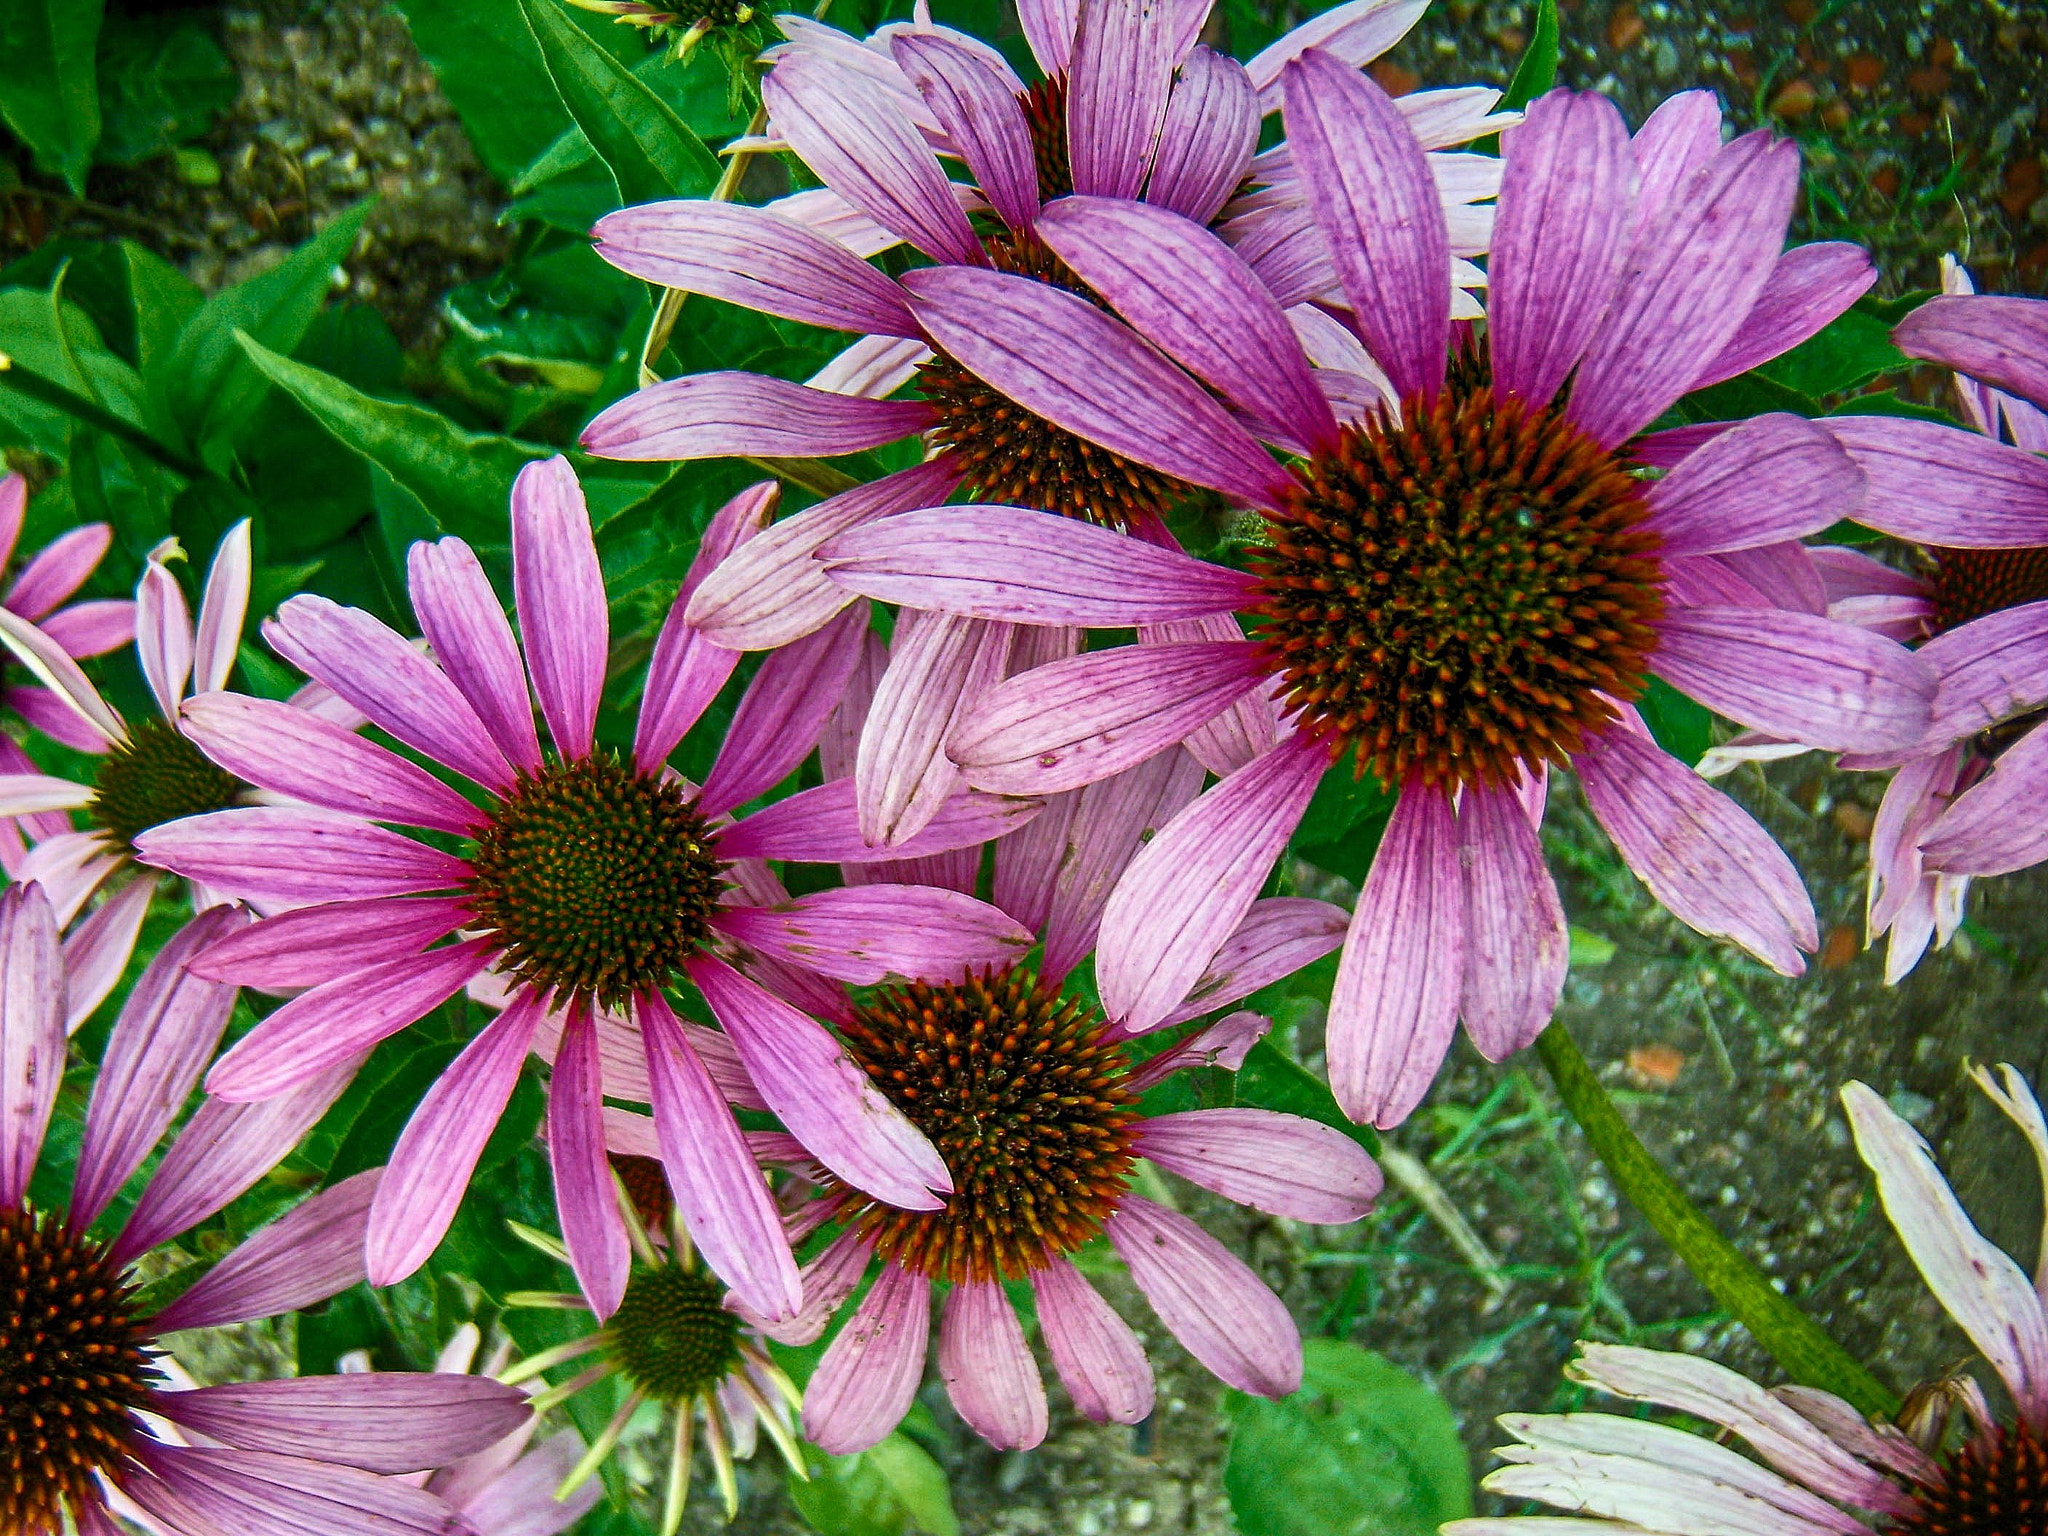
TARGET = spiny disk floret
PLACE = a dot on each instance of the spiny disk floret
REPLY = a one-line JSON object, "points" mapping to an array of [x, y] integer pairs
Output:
{"points": [[598, 881], [1970, 583], [152, 777], [1454, 594], [672, 1337], [1045, 114], [1025, 1101], [74, 1368], [1996, 1485]]}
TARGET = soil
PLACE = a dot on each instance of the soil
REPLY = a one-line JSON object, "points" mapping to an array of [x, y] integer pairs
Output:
{"points": [[1923, 127]]}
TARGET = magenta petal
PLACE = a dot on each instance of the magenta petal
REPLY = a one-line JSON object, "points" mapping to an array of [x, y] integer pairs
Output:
{"points": [[276, 747], [98, 949], [1117, 85], [60, 568], [865, 1382], [1809, 288], [1695, 272], [1516, 943], [1247, 727], [1193, 297], [1100, 1361], [1189, 888], [1991, 669], [1768, 479], [820, 826], [1699, 853], [341, 1019], [988, 1369], [1996, 826], [1395, 1004], [756, 258], [312, 1252], [279, 854], [389, 1421], [1277, 1163], [560, 592], [586, 1198], [746, 415], [309, 945], [866, 934], [724, 1201], [378, 672], [430, 1167], [32, 1041], [1376, 202], [462, 620], [1056, 354], [1676, 139], [1279, 935], [206, 1491], [1559, 239], [1208, 138], [979, 110], [1941, 485], [1798, 676], [169, 1028], [1027, 567], [1048, 27], [783, 711], [1220, 1311], [826, 1101], [1357, 32], [1999, 340], [902, 774]]}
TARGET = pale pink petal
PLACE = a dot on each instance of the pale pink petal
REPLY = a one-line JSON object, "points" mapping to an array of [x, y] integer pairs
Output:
{"points": [[1395, 1003], [988, 1369], [197, 1492], [1996, 826], [381, 1421], [586, 1198], [1999, 340], [1278, 936], [1561, 236], [1111, 821], [827, 1280], [1220, 1311], [223, 608], [310, 945], [560, 592], [1116, 94], [1770, 478], [865, 1383], [92, 628], [465, 624], [1516, 944], [756, 258], [166, 1035], [1208, 138], [938, 664], [1049, 30], [1679, 137], [1941, 485], [1991, 669], [70, 868], [783, 711], [746, 415], [376, 670], [1357, 32], [1100, 1361], [29, 794], [1370, 186], [980, 113], [1277, 1163], [278, 854], [276, 747], [1190, 887], [1700, 854], [57, 570], [163, 636], [1810, 287], [48, 663], [1225, 1044], [97, 951], [821, 826], [874, 367], [724, 1201], [436, 1153], [312, 1252], [32, 1039], [339, 1020], [864, 935], [13, 508]]}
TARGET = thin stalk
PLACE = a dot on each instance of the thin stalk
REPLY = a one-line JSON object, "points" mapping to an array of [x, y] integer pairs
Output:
{"points": [[1809, 1356]]}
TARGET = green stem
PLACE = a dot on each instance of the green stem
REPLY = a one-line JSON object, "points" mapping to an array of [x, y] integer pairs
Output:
{"points": [[1794, 1340], [49, 392], [814, 475]]}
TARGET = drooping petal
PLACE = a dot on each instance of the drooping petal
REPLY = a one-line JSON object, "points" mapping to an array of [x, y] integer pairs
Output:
{"points": [[746, 415], [1100, 1361], [1698, 852], [1208, 138], [1809, 288], [979, 111], [1399, 984], [1996, 825], [1218, 1309], [166, 1034], [1369, 184], [821, 826], [1768, 479], [32, 1039], [560, 595], [585, 1198], [381, 1421], [279, 854], [783, 710], [864, 1384], [1991, 669], [97, 950], [431, 1165], [1111, 821], [312, 1252], [1940, 485], [827, 1280], [256, 1494], [1278, 1163], [1559, 239], [465, 624], [1999, 340], [30, 794], [988, 1369], [938, 664], [865, 934], [92, 628], [59, 569], [1516, 944], [1279, 935], [1191, 885], [309, 945]]}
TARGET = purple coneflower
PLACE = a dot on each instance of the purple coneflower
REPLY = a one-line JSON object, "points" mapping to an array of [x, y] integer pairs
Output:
{"points": [[80, 1384], [1461, 597], [1827, 1470], [586, 879], [672, 1343]]}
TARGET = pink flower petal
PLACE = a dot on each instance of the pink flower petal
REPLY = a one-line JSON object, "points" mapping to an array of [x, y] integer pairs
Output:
{"points": [[902, 774], [1208, 138], [97, 951], [865, 1383], [1357, 32], [1798, 676], [223, 609], [1191, 885], [1049, 31], [586, 1198], [32, 1041], [1277, 1163], [755, 258], [821, 826], [1220, 1311], [29, 794], [1996, 826], [47, 662], [92, 628], [1027, 567], [1100, 1361], [1810, 287], [339, 1020], [463, 621], [204, 1491], [381, 1421], [979, 111], [1699, 853], [725, 1203], [1225, 1044], [864, 935], [437, 1152], [1278, 936], [312, 1252], [1516, 943], [1940, 485], [1768, 479], [746, 415], [560, 589], [163, 636], [278, 854], [1999, 340], [1991, 669], [1376, 202], [1116, 94], [1676, 139], [1395, 1004], [783, 711], [59, 569], [988, 1369], [828, 1279], [1561, 236], [310, 945]]}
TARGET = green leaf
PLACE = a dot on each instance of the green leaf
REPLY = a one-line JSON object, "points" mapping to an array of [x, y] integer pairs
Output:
{"points": [[1681, 726], [1271, 1079], [890, 1490], [162, 80], [1537, 71], [1887, 402], [49, 93], [209, 387], [463, 478], [1587, 948], [1852, 349], [1363, 1449], [1747, 394], [1341, 829], [651, 152]]}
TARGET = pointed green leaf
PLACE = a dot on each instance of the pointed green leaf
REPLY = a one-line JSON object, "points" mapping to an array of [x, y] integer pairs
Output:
{"points": [[49, 91], [1537, 71]]}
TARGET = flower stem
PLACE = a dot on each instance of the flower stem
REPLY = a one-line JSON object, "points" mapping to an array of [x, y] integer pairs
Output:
{"points": [[1809, 1356]]}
